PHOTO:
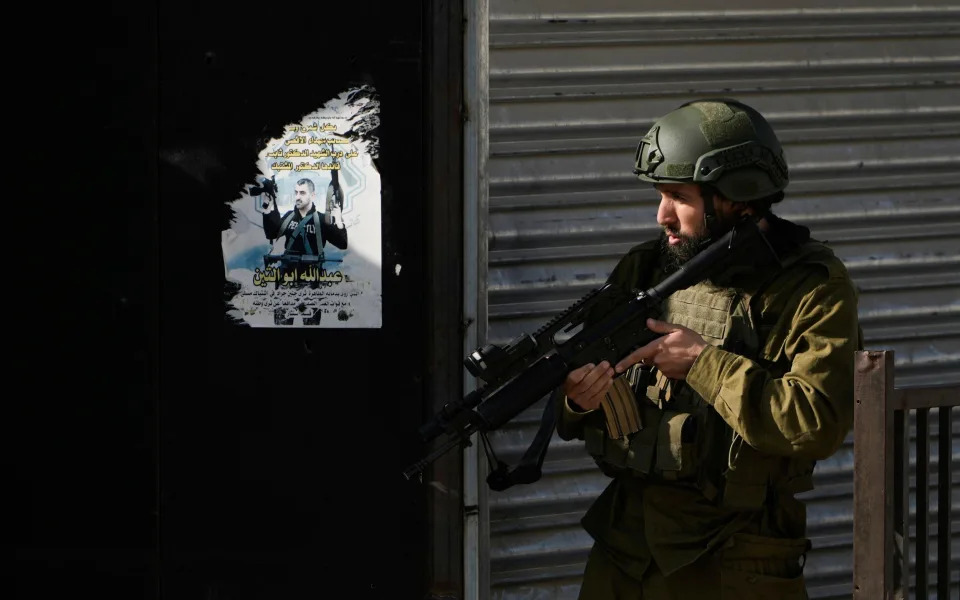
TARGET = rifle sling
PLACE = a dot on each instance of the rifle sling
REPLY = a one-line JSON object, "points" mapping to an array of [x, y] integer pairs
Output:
{"points": [[528, 470]]}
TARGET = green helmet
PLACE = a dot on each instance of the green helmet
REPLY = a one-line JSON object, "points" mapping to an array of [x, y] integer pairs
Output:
{"points": [[722, 142]]}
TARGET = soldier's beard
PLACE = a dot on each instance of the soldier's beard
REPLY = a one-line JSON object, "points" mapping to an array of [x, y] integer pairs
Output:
{"points": [[676, 255]]}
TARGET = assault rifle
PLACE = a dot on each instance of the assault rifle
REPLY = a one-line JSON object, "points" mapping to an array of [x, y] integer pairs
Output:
{"points": [[607, 324], [268, 188]]}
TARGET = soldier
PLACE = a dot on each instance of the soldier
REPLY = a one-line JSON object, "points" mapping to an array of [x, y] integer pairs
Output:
{"points": [[749, 385]]}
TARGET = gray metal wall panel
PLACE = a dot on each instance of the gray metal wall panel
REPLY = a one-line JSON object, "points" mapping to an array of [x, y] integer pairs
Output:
{"points": [[866, 102]]}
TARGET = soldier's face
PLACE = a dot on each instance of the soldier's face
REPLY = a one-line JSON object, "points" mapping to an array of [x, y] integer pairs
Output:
{"points": [[681, 213], [302, 196], [681, 216]]}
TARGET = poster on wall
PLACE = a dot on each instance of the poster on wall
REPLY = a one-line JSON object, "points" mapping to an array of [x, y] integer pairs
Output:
{"points": [[304, 245]]}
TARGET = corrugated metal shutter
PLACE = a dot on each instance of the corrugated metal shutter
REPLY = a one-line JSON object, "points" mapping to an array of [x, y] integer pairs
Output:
{"points": [[867, 105]]}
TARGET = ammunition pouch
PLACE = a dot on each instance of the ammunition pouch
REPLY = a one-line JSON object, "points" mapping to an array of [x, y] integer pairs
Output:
{"points": [[665, 448], [677, 458], [675, 446]]}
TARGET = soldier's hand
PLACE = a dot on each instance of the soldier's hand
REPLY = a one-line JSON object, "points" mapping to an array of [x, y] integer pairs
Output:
{"points": [[672, 354], [267, 204], [587, 385]]}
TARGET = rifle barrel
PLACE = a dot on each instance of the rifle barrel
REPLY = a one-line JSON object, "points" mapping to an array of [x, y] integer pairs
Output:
{"points": [[420, 465]]}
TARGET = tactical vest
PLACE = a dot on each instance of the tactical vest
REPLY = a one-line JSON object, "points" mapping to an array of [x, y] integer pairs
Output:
{"points": [[681, 437], [301, 231]]}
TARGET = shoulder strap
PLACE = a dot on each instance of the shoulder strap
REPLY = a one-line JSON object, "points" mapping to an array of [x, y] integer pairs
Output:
{"points": [[285, 223], [316, 225], [300, 231]]}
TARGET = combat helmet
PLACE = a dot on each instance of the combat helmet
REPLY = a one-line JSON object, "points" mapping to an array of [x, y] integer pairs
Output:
{"points": [[721, 142]]}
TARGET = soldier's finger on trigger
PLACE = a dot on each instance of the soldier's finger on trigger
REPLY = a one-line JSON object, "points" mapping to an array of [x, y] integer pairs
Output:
{"points": [[631, 359]]}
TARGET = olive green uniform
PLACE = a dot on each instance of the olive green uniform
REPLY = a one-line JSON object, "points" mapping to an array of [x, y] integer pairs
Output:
{"points": [[701, 502]]}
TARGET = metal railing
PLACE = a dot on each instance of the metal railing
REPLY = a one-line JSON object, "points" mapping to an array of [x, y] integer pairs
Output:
{"points": [[881, 480]]}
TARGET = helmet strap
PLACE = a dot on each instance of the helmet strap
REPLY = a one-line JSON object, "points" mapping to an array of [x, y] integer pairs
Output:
{"points": [[710, 220]]}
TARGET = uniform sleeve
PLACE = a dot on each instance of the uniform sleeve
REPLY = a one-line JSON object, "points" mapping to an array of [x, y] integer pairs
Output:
{"points": [[569, 421], [809, 410]]}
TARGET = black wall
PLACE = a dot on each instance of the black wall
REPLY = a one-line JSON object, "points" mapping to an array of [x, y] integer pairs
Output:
{"points": [[282, 450], [84, 341], [211, 460]]}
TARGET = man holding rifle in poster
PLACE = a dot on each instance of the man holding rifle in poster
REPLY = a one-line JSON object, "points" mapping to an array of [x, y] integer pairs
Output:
{"points": [[306, 231]]}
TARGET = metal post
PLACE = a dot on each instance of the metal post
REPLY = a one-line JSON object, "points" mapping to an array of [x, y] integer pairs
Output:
{"points": [[475, 195], [873, 488]]}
